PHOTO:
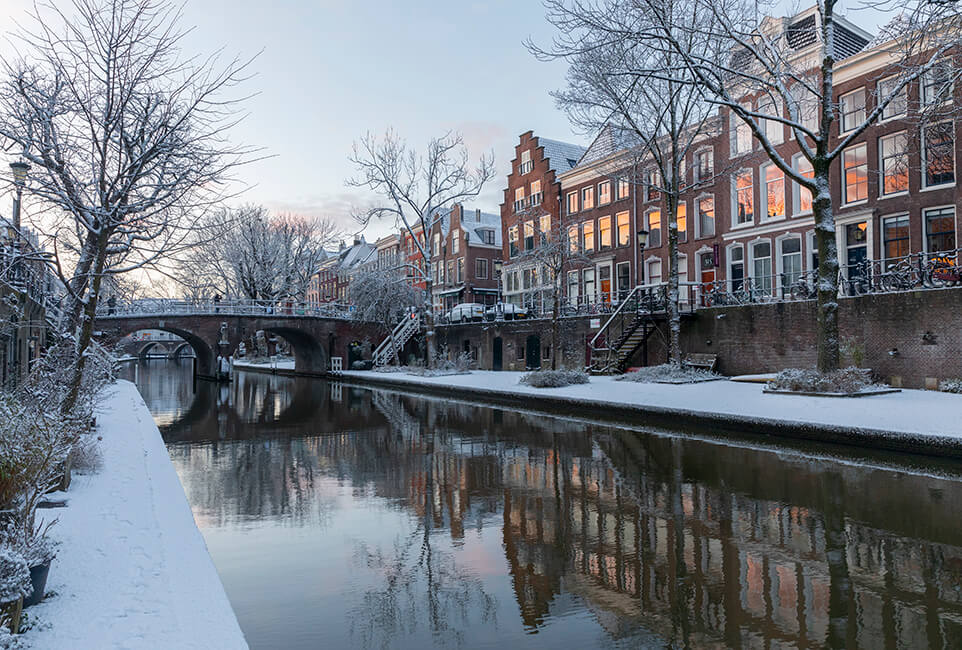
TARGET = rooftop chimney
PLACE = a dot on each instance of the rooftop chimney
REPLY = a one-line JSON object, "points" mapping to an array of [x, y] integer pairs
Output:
{"points": [[477, 214]]}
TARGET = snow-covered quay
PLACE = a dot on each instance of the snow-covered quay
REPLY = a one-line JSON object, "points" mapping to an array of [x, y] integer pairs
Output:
{"points": [[913, 421], [133, 570]]}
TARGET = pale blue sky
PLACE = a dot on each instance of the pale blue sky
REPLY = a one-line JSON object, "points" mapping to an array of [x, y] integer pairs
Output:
{"points": [[331, 70]]}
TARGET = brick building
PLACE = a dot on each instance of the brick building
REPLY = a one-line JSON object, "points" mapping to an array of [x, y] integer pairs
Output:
{"points": [[747, 228], [331, 282], [531, 209], [465, 250]]}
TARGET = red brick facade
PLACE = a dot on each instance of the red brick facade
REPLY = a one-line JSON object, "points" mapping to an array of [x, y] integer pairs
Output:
{"points": [[465, 250]]}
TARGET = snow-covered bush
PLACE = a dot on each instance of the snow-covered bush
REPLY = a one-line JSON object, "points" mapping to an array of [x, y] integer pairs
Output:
{"points": [[951, 386], [31, 542], [14, 576], [554, 378], [87, 456], [669, 374], [809, 380], [10, 641]]}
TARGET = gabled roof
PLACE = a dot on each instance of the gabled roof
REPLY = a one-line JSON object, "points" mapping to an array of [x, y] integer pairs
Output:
{"points": [[489, 221], [561, 156]]}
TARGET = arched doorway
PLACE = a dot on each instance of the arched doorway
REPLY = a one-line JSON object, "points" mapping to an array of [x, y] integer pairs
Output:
{"points": [[497, 360]]}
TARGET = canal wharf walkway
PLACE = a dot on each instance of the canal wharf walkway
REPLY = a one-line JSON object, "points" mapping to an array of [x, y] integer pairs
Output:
{"points": [[910, 421], [132, 569]]}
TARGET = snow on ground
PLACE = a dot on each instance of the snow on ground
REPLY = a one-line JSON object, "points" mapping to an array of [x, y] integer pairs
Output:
{"points": [[283, 363], [915, 412], [133, 570]]}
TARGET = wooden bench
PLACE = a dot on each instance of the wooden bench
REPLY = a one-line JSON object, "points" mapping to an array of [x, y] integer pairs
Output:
{"points": [[699, 360]]}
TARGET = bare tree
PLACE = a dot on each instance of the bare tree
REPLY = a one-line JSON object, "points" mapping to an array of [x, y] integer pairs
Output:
{"points": [[553, 256], [126, 136], [776, 76], [248, 252], [417, 191], [382, 296], [618, 82]]}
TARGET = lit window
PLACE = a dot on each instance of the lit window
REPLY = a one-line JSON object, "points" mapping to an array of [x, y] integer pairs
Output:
{"points": [[940, 230], [587, 198], [623, 188], [774, 192], [604, 193], [588, 235], [573, 238], [681, 218], [572, 202], [519, 199], [744, 197], [604, 232], [852, 108], [529, 235], [899, 101], [513, 241], [526, 164], [803, 195], [855, 170], [652, 183], [895, 237], [654, 228], [544, 225], [536, 196], [939, 154], [706, 217], [894, 164], [624, 228]]}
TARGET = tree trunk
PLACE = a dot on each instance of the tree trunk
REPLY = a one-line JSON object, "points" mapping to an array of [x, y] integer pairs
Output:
{"points": [[429, 345], [555, 327], [86, 327], [674, 313], [827, 338]]}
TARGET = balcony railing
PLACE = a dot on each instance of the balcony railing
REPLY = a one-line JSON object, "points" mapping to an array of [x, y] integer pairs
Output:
{"points": [[163, 306]]}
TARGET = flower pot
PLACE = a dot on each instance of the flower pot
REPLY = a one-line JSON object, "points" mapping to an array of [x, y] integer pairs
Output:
{"points": [[38, 576], [10, 615]]}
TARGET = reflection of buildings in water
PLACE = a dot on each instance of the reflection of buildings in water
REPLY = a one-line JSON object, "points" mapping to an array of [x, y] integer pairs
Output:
{"points": [[730, 550]]}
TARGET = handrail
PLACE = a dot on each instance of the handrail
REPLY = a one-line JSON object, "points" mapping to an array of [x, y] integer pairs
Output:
{"points": [[399, 336], [165, 306]]}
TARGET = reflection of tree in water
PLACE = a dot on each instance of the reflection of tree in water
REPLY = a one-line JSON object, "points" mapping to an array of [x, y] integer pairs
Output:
{"points": [[423, 585]]}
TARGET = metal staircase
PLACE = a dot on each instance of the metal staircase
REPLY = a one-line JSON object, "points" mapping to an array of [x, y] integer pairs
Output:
{"points": [[391, 346], [627, 329]]}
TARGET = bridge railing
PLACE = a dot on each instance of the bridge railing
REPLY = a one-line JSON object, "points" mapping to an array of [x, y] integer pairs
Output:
{"points": [[169, 307]]}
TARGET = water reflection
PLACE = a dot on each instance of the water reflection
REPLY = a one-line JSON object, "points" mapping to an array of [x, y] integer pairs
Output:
{"points": [[348, 517]]}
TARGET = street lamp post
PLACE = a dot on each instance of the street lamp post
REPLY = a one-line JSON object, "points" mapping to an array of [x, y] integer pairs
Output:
{"points": [[498, 265], [19, 169]]}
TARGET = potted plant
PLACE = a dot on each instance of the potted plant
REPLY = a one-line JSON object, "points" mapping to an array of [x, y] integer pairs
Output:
{"points": [[14, 586], [37, 549]]}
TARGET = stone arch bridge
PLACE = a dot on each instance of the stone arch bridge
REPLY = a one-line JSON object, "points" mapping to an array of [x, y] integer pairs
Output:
{"points": [[218, 328]]}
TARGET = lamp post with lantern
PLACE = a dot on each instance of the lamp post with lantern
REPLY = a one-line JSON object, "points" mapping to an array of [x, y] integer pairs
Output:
{"points": [[642, 236], [499, 310], [19, 169]]}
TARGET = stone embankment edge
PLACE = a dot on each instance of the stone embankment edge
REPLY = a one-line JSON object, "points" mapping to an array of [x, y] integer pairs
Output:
{"points": [[672, 418]]}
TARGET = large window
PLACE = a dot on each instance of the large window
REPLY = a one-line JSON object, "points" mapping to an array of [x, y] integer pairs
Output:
{"points": [[588, 198], [536, 195], [455, 241], [526, 164], [544, 226], [481, 268], [681, 218], [653, 272], [573, 287], [588, 236], [460, 269], [899, 101], [741, 134], [572, 204], [762, 267], [513, 241], [736, 267], [652, 183], [519, 199], [703, 165], [803, 195], [437, 244], [529, 235], [852, 108], [706, 217], [573, 238], [774, 130], [623, 271], [939, 154], [604, 193], [893, 163], [806, 103], [744, 197], [938, 83], [940, 230], [604, 232], [895, 237], [855, 170], [623, 188], [589, 282], [654, 228], [624, 228], [791, 252], [774, 191]]}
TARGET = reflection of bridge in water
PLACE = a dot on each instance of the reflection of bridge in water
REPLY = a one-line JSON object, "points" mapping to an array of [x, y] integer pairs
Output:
{"points": [[698, 543]]}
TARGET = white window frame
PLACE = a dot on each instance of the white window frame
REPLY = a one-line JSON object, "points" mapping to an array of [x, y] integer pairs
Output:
{"points": [[843, 125], [925, 230], [901, 105], [779, 260], [661, 227], [734, 193], [845, 199], [797, 189], [600, 185], [881, 164], [588, 192], [698, 177], [774, 130], [925, 173], [698, 233], [526, 164], [924, 89], [763, 193], [751, 263], [572, 198], [728, 264], [737, 127], [649, 261]]}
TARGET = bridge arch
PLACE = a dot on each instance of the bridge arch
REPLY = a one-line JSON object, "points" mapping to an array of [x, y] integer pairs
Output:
{"points": [[202, 350], [179, 350], [151, 345], [309, 354]]}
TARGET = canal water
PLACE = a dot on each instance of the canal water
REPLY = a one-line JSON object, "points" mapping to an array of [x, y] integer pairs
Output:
{"points": [[344, 517]]}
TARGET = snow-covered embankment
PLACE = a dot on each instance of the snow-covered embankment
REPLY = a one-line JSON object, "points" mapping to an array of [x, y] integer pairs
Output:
{"points": [[133, 570]]}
